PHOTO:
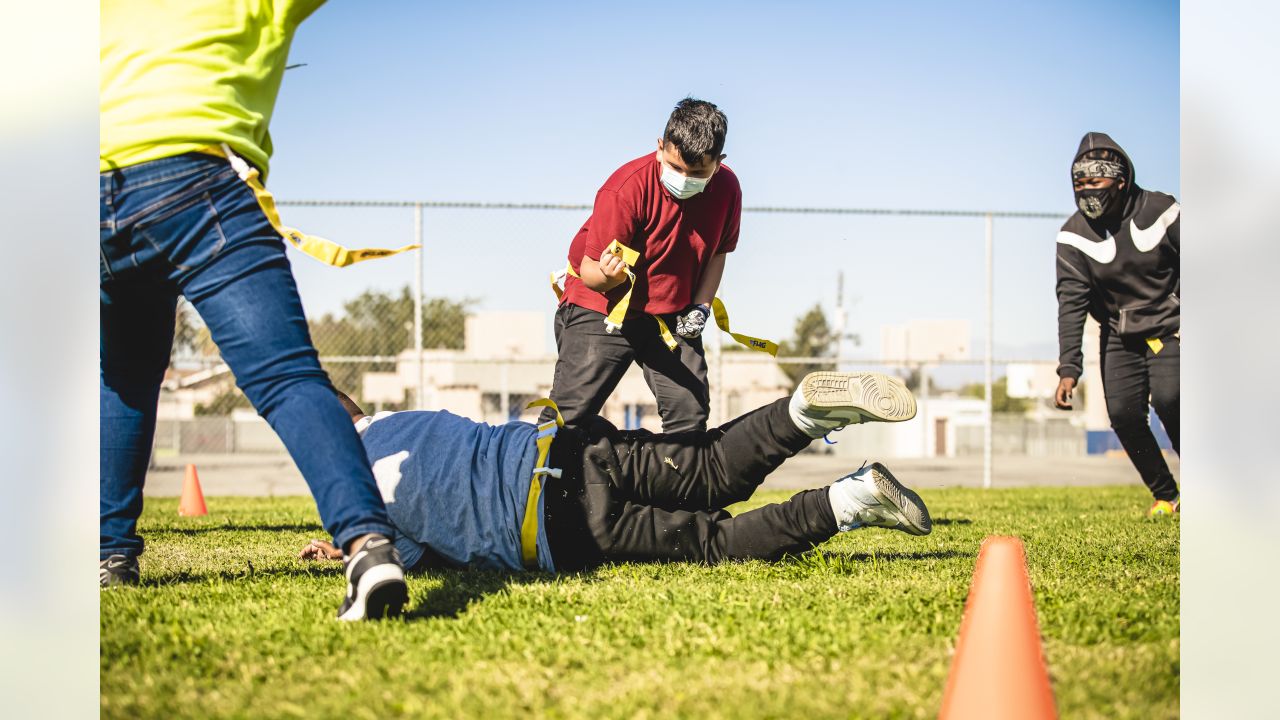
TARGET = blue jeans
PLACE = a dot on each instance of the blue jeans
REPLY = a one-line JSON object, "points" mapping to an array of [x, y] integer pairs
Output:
{"points": [[188, 226]]}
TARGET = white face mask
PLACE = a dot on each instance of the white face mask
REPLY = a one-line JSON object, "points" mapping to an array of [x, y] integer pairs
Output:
{"points": [[682, 187]]}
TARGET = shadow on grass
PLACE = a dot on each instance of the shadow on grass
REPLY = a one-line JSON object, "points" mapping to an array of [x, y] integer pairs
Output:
{"points": [[892, 556], [460, 588], [249, 572], [287, 527], [952, 521]]}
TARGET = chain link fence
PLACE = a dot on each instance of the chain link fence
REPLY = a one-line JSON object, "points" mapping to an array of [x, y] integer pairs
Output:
{"points": [[465, 322]]}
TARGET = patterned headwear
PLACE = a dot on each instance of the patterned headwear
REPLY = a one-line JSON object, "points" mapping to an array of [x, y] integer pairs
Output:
{"points": [[1093, 168]]}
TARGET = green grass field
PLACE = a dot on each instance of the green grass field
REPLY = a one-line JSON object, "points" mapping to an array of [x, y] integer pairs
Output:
{"points": [[229, 624]]}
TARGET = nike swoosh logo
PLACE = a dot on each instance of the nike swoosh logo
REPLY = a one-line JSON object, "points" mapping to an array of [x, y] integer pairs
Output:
{"points": [[1147, 240], [1103, 252]]}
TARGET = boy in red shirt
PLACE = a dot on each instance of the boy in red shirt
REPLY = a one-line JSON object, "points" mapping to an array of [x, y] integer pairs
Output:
{"points": [[680, 209]]}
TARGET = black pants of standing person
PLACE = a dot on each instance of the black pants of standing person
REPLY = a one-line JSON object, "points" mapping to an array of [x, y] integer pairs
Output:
{"points": [[636, 496], [1132, 373], [592, 361]]}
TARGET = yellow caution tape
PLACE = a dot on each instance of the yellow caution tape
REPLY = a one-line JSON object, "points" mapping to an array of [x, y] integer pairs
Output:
{"points": [[322, 249], [529, 526], [619, 312]]}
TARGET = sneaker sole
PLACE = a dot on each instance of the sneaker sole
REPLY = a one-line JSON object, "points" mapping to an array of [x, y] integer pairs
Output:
{"points": [[381, 593], [907, 506], [865, 395]]}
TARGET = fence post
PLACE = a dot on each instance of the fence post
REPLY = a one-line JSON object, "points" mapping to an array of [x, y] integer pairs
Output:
{"points": [[504, 389], [420, 400], [986, 433], [927, 450]]}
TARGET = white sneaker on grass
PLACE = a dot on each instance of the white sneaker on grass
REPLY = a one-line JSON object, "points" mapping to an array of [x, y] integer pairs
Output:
{"points": [[873, 497], [828, 401]]}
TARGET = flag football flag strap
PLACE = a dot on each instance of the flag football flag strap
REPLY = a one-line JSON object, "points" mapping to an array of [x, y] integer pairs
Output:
{"points": [[618, 313], [322, 249]]}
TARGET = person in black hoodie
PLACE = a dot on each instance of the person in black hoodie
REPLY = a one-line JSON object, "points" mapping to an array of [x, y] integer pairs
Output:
{"points": [[1118, 261]]}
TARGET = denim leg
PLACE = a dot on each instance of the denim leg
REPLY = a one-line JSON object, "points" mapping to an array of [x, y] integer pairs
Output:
{"points": [[247, 297], [135, 335]]}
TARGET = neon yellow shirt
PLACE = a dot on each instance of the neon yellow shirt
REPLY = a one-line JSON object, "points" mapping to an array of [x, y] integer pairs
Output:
{"points": [[180, 75]]}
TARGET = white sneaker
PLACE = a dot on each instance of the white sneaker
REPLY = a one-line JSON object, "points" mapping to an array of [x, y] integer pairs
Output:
{"points": [[827, 401], [873, 497]]}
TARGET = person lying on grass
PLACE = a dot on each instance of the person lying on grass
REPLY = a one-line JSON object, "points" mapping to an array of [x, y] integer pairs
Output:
{"points": [[457, 490]]}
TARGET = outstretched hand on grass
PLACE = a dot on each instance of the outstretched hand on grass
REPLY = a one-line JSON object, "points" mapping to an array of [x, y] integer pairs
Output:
{"points": [[320, 550]]}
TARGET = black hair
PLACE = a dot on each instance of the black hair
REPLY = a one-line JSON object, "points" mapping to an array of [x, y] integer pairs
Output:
{"points": [[696, 128], [348, 404]]}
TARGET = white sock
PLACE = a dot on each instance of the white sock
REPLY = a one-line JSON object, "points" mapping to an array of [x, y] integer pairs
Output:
{"points": [[811, 426], [850, 496]]}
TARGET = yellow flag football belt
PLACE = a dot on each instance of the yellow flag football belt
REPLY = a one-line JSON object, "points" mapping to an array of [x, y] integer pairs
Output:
{"points": [[529, 527], [619, 311], [1156, 344], [322, 249]]}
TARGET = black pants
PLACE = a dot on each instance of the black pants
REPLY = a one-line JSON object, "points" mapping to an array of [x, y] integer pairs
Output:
{"points": [[1132, 373], [593, 361], [637, 496]]}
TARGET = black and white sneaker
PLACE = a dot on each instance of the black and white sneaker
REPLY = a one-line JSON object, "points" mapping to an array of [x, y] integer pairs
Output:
{"points": [[118, 570], [375, 582]]}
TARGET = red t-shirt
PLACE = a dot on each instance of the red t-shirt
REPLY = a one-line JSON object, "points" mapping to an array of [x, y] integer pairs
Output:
{"points": [[675, 238]]}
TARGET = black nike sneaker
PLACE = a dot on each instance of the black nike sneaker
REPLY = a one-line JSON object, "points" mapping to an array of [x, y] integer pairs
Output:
{"points": [[375, 582], [118, 570]]}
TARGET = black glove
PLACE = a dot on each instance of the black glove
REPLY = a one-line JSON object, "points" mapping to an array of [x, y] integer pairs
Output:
{"points": [[693, 321]]}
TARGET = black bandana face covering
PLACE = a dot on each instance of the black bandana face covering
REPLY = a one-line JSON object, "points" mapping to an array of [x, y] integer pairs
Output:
{"points": [[1097, 202]]}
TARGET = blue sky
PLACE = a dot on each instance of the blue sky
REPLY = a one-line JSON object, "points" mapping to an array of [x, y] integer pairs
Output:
{"points": [[900, 105]]}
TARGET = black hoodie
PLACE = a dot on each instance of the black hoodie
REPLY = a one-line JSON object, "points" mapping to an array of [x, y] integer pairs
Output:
{"points": [[1121, 268]]}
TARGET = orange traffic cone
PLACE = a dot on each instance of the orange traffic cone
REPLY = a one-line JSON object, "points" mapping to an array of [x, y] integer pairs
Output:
{"points": [[192, 502], [999, 670]]}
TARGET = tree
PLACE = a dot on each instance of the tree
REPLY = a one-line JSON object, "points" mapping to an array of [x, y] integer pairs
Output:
{"points": [[381, 324], [191, 337], [1000, 400], [224, 403], [813, 338], [373, 324]]}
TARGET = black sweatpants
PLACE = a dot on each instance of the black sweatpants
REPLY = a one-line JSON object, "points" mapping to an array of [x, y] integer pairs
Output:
{"points": [[637, 496], [1132, 373], [592, 361]]}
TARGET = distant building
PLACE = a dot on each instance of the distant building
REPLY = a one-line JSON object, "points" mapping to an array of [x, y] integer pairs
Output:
{"points": [[925, 341], [504, 365], [182, 390]]}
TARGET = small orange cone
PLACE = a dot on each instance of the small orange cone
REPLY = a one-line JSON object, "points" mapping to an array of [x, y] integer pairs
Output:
{"points": [[192, 502], [999, 670]]}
